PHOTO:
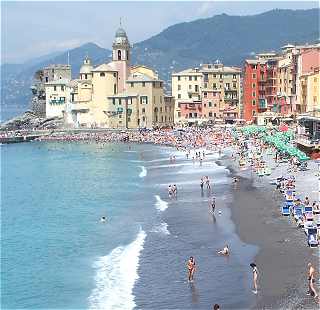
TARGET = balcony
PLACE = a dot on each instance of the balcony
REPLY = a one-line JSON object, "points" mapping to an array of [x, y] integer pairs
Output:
{"points": [[54, 101]]}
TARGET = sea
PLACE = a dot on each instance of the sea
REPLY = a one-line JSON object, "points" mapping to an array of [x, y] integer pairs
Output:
{"points": [[56, 253]]}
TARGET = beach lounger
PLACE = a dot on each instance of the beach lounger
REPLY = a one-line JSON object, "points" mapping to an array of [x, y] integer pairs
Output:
{"points": [[308, 209], [312, 237], [297, 212], [309, 216], [285, 209]]}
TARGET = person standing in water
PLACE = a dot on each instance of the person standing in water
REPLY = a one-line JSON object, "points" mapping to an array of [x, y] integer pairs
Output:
{"points": [[311, 281], [191, 265], [255, 277]]}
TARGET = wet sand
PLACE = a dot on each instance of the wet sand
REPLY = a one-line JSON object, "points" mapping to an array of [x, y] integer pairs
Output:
{"points": [[283, 252]]}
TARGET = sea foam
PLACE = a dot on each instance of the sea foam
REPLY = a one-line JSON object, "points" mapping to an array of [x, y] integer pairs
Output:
{"points": [[161, 205], [116, 274], [143, 172], [162, 228]]}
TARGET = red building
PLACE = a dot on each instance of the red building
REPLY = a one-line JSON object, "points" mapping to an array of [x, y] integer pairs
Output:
{"points": [[191, 111], [254, 88]]}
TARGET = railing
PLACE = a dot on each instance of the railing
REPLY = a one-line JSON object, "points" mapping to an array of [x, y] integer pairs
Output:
{"points": [[57, 101]]}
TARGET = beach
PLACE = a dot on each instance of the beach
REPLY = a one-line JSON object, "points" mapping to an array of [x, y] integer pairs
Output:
{"points": [[144, 261]]}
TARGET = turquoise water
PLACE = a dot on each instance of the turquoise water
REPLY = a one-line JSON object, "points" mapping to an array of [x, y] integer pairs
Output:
{"points": [[57, 254], [53, 196]]}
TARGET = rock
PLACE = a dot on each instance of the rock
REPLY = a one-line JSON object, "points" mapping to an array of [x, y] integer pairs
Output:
{"points": [[29, 121]]}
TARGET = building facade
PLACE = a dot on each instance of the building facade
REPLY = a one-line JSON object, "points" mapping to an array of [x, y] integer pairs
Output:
{"points": [[43, 76], [278, 83], [215, 86], [112, 95]]}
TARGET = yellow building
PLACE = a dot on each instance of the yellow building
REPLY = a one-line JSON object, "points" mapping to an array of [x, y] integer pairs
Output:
{"points": [[115, 95], [193, 85], [310, 92], [186, 87]]}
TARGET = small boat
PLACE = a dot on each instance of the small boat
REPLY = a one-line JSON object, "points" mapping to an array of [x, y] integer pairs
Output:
{"points": [[289, 195], [312, 237]]}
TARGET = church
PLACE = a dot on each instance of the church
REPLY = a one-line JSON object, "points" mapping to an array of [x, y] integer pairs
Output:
{"points": [[111, 95]]}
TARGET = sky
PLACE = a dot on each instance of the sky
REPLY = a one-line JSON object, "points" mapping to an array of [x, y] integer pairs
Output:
{"points": [[32, 29]]}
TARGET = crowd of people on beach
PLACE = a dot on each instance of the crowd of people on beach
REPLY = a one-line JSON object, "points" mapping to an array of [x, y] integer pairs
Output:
{"points": [[193, 141]]}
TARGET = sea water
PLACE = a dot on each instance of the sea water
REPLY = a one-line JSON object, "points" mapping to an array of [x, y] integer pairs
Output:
{"points": [[57, 254]]}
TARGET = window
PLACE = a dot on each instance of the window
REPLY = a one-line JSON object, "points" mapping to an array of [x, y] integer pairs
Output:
{"points": [[47, 79], [160, 109], [55, 88], [234, 85], [179, 78], [214, 114], [195, 78], [114, 74], [205, 85], [119, 101], [253, 102], [210, 114], [119, 55], [143, 84], [195, 114], [190, 78], [254, 94], [179, 87], [179, 96], [253, 112], [220, 76], [120, 115], [62, 88], [190, 86], [227, 85], [205, 95], [234, 76], [190, 96], [254, 67], [214, 86], [254, 76], [215, 105], [131, 84], [143, 100], [113, 101], [143, 110], [196, 88], [179, 114], [143, 118], [160, 99], [253, 85], [190, 115], [129, 101], [315, 80], [214, 75], [127, 55], [114, 88], [205, 77], [102, 74], [210, 104]]}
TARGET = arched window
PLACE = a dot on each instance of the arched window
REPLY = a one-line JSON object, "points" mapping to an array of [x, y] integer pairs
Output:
{"points": [[119, 55]]}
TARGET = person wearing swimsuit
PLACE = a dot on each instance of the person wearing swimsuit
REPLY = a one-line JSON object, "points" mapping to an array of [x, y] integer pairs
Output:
{"points": [[191, 265], [255, 277], [311, 281]]}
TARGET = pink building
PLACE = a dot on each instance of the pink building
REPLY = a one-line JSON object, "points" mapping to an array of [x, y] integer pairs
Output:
{"points": [[211, 104]]}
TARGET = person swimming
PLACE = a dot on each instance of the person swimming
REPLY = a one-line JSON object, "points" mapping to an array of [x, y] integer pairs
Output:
{"points": [[103, 219], [225, 251]]}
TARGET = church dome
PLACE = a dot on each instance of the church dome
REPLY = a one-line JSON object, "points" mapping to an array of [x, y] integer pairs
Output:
{"points": [[121, 33], [87, 66], [121, 37]]}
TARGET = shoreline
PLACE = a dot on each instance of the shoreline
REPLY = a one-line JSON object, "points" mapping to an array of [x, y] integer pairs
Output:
{"points": [[283, 253]]}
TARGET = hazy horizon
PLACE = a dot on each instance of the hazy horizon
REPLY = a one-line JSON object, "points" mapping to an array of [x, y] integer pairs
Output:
{"points": [[50, 27]]}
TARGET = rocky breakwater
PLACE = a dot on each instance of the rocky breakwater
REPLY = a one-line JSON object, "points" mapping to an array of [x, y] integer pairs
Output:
{"points": [[30, 121]]}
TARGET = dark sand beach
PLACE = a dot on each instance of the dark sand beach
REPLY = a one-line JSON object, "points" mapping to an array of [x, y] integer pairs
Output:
{"points": [[283, 252]]}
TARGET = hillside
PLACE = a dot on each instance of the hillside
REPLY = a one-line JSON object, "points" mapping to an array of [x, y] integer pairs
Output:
{"points": [[228, 38]]}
